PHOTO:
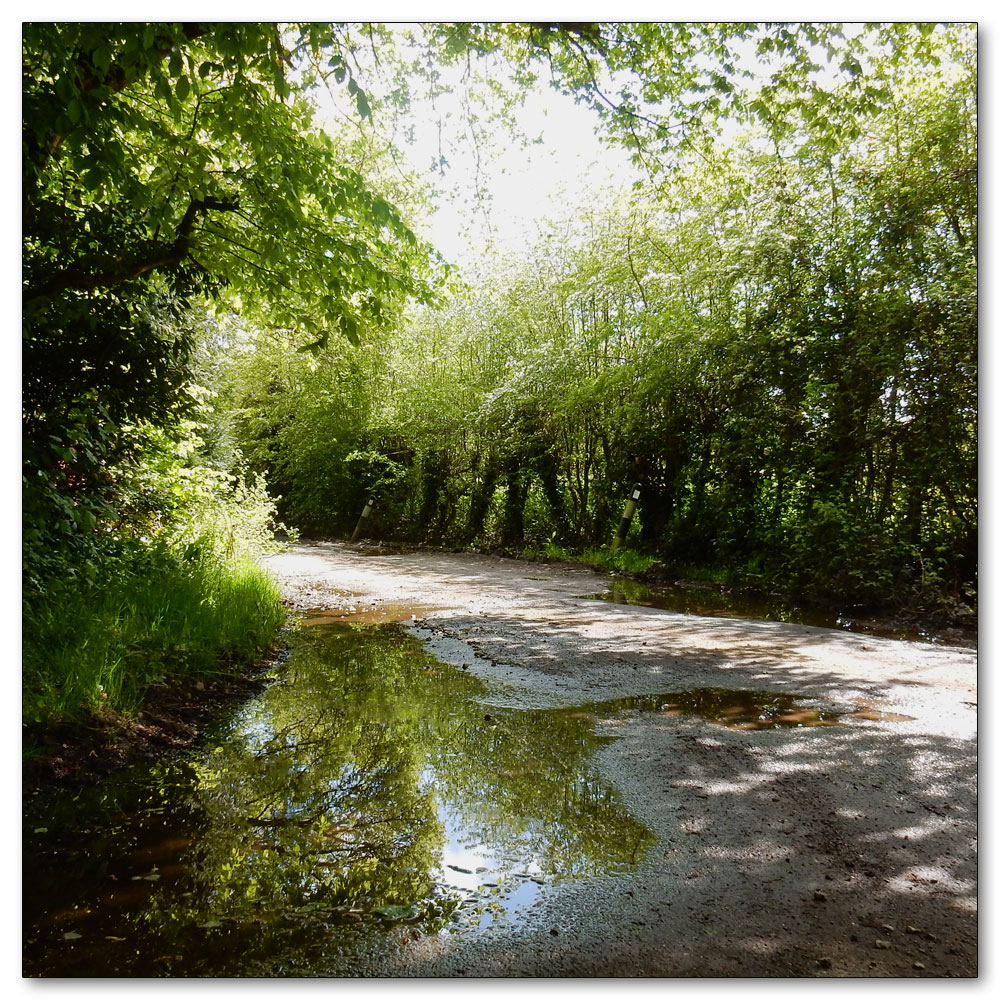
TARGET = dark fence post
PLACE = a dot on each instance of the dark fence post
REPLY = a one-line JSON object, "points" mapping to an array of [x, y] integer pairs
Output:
{"points": [[626, 520]]}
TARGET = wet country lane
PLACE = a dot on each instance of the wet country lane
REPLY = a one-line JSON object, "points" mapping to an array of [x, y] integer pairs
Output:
{"points": [[369, 796]]}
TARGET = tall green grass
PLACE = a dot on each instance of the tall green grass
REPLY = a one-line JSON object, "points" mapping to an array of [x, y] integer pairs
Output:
{"points": [[620, 560], [157, 614]]}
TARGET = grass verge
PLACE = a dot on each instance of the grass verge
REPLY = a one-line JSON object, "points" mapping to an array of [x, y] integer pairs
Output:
{"points": [[621, 560], [156, 615]]}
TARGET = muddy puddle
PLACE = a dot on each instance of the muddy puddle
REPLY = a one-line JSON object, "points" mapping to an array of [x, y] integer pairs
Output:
{"points": [[360, 613], [368, 796], [712, 602], [742, 709]]}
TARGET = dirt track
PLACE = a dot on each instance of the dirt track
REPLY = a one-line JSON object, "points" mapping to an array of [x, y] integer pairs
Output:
{"points": [[846, 850]]}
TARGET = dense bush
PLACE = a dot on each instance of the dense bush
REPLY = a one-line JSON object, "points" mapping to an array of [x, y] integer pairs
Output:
{"points": [[170, 586]]}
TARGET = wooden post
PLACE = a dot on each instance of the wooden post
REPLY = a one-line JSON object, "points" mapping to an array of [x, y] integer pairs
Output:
{"points": [[363, 519], [626, 520]]}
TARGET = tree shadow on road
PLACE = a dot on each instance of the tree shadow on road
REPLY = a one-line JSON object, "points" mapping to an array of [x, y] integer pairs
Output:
{"points": [[836, 850]]}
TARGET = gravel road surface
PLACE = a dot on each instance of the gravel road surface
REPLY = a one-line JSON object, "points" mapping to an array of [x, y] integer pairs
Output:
{"points": [[819, 851]]}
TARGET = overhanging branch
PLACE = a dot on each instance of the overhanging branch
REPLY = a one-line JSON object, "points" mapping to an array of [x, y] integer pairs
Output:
{"points": [[114, 79], [169, 255]]}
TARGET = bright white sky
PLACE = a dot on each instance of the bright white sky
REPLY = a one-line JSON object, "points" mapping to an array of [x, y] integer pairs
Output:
{"points": [[526, 184]]}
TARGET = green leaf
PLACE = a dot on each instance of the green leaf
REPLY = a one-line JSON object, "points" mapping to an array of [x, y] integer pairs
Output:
{"points": [[381, 211], [66, 89], [101, 57], [349, 327], [396, 911]]}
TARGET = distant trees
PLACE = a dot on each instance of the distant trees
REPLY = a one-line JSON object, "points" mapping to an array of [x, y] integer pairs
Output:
{"points": [[778, 341]]}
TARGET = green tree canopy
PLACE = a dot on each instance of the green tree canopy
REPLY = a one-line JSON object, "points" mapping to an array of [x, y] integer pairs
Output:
{"points": [[197, 140], [164, 162], [797, 317]]}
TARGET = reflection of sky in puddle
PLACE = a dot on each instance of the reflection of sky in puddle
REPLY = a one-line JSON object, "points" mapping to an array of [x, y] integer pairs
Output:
{"points": [[505, 880]]}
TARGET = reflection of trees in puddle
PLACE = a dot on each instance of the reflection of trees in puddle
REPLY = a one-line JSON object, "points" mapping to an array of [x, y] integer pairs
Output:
{"points": [[323, 815], [331, 789], [330, 784], [523, 785]]}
